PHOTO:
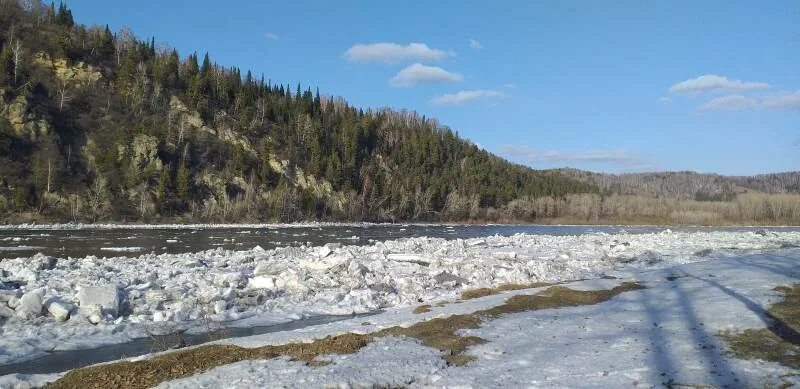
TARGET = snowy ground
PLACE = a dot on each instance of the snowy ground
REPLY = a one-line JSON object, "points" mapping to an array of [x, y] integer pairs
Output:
{"points": [[664, 334], [77, 303]]}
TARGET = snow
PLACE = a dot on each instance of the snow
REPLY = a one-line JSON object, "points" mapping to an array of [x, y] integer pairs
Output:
{"points": [[104, 296], [60, 310], [170, 292], [30, 305], [27, 381], [658, 336], [122, 249], [370, 365], [20, 248]]}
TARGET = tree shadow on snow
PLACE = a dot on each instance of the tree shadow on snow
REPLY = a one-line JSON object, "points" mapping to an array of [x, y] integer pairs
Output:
{"points": [[671, 366]]}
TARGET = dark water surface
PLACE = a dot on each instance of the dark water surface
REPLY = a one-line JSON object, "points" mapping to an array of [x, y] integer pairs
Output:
{"points": [[131, 242], [58, 361]]}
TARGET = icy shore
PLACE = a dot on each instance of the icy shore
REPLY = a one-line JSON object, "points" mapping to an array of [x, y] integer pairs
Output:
{"points": [[663, 335], [121, 226], [61, 304]]}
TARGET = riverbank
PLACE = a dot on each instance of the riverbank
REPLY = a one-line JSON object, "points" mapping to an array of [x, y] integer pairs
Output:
{"points": [[669, 326], [78, 303]]}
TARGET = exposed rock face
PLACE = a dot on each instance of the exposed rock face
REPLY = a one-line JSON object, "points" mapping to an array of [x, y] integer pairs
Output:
{"points": [[185, 119], [28, 120], [145, 153], [79, 74]]}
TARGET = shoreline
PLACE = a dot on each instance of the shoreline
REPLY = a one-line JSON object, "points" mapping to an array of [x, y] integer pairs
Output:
{"points": [[316, 224]]}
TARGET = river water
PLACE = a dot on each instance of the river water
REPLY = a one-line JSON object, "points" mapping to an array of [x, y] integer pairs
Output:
{"points": [[135, 241]]}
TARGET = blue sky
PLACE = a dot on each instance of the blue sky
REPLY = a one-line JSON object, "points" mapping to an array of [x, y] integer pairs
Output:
{"points": [[710, 86]]}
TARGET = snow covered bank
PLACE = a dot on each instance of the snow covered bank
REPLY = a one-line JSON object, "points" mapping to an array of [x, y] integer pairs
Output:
{"points": [[667, 334], [664, 335], [63, 304]]}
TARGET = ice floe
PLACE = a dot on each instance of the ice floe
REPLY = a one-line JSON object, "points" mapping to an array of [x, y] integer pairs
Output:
{"points": [[111, 300]]}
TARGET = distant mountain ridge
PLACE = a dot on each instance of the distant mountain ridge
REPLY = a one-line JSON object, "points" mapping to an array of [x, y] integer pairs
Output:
{"points": [[687, 184]]}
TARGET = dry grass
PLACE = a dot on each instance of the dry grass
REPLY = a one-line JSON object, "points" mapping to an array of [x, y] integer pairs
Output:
{"points": [[151, 372], [778, 343], [558, 297], [421, 309], [482, 292], [439, 333]]}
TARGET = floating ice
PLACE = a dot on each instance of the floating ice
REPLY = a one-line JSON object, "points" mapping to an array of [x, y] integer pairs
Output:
{"points": [[104, 296], [30, 305], [60, 310], [130, 295], [122, 249]]}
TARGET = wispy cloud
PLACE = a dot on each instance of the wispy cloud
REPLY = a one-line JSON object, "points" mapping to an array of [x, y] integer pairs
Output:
{"points": [[421, 74], [730, 103], [466, 96], [387, 52], [622, 158], [785, 101], [474, 44], [272, 36], [712, 82]]}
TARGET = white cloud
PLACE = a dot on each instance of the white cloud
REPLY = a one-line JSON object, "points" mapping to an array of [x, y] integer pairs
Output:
{"points": [[421, 74], [474, 44], [665, 99], [272, 36], [786, 101], [387, 52], [618, 157], [466, 96], [710, 82], [730, 103]]}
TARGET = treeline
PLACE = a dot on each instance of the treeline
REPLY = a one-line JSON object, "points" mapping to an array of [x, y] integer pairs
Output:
{"points": [[743, 209], [687, 185], [101, 125]]}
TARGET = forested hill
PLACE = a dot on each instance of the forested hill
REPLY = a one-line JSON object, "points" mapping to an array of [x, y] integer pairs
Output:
{"points": [[99, 125]]}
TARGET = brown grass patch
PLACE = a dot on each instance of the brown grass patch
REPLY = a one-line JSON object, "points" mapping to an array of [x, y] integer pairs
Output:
{"points": [[151, 372], [421, 309], [439, 333], [557, 297], [482, 292], [780, 342]]}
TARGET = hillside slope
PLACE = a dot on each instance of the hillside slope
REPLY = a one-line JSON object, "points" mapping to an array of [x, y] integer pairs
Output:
{"points": [[96, 125]]}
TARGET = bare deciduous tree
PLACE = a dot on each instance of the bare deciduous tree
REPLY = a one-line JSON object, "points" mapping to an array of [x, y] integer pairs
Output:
{"points": [[123, 42], [63, 90], [17, 55]]}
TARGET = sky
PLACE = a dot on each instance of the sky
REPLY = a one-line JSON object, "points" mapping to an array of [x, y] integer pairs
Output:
{"points": [[622, 86]]}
